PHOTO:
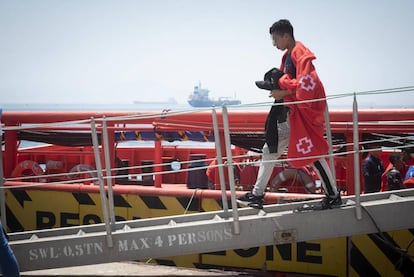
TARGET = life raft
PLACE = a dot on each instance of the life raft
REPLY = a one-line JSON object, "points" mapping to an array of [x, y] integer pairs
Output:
{"points": [[298, 180], [84, 173], [283, 179], [28, 168]]}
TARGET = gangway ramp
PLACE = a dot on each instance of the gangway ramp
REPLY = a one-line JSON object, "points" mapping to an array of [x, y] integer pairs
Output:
{"points": [[209, 231]]}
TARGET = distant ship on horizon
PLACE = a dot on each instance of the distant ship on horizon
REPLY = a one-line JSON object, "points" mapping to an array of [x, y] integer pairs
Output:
{"points": [[200, 98]]}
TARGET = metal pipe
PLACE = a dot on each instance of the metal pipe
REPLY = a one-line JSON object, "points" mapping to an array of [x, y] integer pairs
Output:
{"points": [[356, 159], [157, 163], [330, 144], [230, 170], [108, 171], [219, 160], [101, 183], [14, 119]]}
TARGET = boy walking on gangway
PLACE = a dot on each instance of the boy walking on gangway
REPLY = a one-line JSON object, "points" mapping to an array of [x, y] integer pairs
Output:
{"points": [[298, 82]]}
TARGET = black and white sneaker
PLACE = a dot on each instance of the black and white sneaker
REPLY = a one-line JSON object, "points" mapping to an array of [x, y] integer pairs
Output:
{"points": [[251, 200], [330, 202], [326, 203]]}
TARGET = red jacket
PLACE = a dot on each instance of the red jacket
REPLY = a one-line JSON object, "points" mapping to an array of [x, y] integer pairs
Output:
{"points": [[307, 120]]}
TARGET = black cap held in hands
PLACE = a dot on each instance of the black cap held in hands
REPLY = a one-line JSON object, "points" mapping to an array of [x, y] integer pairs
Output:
{"points": [[271, 80]]}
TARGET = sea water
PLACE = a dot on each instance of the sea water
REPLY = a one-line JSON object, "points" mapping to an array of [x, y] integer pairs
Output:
{"points": [[96, 107]]}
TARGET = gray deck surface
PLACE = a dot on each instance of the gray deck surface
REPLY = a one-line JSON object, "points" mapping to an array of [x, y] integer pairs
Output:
{"points": [[131, 269]]}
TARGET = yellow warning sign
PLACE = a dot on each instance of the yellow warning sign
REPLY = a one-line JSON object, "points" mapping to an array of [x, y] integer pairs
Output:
{"points": [[382, 254], [34, 210], [326, 257]]}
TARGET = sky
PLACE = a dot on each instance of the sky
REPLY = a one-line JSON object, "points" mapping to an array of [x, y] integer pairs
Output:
{"points": [[121, 51]]}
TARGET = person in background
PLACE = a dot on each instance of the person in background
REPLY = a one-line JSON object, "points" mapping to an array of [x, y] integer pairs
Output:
{"points": [[409, 177], [408, 158], [392, 176], [372, 170], [212, 173], [8, 263]]}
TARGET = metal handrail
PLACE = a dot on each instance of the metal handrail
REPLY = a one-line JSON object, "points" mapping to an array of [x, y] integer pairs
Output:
{"points": [[108, 171], [356, 160], [219, 158], [101, 184], [236, 223], [2, 191]]}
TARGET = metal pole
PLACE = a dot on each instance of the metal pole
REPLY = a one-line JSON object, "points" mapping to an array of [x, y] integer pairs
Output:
{"points": [[101, 183], [230, 170], [108, 171], [2, 188], [329, 137], [219, 160], [356, 159]]}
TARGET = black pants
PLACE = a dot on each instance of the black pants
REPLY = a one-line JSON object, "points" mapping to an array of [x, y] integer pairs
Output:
{"points": [[324, 173]]}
